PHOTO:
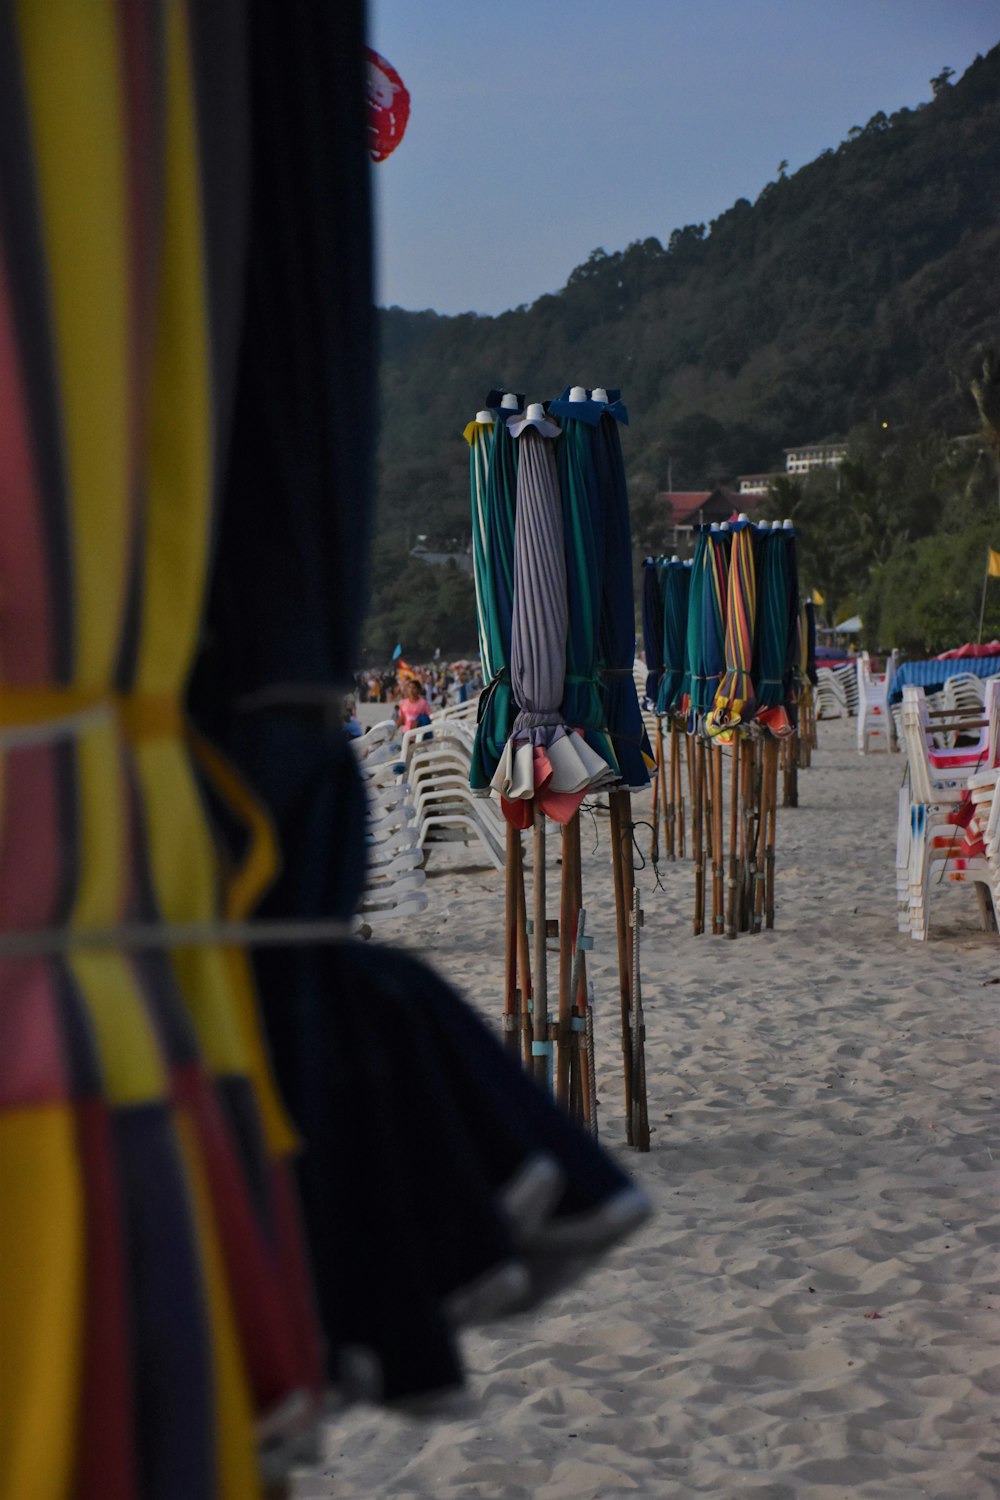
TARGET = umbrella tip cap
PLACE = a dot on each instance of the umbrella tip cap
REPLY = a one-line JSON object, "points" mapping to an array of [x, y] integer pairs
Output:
{"points": [[788, 525], [509, 401], [599, 394], [484, 417], [535, 412], [742, 516], [578, 393]]}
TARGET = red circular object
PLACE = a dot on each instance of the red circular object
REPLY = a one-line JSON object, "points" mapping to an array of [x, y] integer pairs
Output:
{"points": [[388, 107]]}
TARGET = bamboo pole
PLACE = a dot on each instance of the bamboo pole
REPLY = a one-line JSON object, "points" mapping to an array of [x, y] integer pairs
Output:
{"points": [[680, 810], [690, 755], [622, 934], [658, 798], [511, 995], [734, 830], [762, 785], [582, 1039], [697, 844], [718, 850], [772, 801], [670, 805], [524, 960], [567, 924], [640, 1107], [541, 1048]]}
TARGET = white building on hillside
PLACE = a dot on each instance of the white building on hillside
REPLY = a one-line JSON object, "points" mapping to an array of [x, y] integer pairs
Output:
{"points": [[814, 456]]}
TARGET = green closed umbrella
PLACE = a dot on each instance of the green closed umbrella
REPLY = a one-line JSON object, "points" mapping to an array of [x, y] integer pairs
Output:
{"points": [[497, 709], [584, 533]]}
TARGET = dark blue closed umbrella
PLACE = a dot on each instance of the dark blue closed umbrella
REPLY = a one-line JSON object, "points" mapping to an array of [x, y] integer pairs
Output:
{"points": [[676, 587], [652, 626], [622, 714]]}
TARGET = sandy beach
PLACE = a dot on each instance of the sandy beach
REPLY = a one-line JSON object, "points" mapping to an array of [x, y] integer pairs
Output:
{"points": [[813, 1313]]}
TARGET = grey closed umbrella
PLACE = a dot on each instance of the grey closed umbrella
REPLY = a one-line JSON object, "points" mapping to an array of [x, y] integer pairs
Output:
{"points": [[543, 764]]}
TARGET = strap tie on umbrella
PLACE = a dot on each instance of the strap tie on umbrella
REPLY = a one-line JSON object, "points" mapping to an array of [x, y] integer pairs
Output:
{"points": [[143, 717], [489, 692]]}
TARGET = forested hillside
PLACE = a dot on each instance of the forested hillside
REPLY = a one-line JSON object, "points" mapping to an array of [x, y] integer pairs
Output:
{"points": [[859, 290]]}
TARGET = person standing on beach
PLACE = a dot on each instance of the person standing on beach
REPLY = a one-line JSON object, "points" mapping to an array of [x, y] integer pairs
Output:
{"points": [[413, 709]]}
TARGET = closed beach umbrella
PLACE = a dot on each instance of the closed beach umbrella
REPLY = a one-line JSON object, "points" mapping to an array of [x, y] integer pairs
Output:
{"points": [[496, 707], [542, 764], [584, 532], [676, 585], [735, 693], [622, 714], [691, 686], [713, 644], [479, 436], [652, 626], [773, 629]]}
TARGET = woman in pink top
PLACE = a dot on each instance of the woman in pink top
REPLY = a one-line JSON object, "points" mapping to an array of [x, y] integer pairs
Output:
{"points": [[413, 709]]}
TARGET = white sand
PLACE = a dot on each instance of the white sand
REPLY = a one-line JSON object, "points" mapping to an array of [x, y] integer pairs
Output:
{"points": [[823, 1100]]}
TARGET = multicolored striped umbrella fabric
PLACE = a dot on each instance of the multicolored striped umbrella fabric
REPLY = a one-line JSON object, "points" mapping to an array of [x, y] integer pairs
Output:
{"points": [[735, 693], [713, 645], [146, 1313]]}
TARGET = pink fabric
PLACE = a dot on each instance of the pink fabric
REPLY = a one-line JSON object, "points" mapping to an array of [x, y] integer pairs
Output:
{"points": [[31, 1046], [31, 863], [25, 626]]}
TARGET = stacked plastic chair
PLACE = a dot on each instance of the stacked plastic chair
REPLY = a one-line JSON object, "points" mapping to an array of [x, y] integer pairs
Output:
{"points": [[874, 720], [831, 699], [395, 878], [436, 762], [937, 827]]}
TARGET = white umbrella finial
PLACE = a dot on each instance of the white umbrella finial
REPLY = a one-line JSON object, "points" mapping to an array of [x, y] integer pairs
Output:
{"points": [[578, 393], [599, 394], [509, 401]]}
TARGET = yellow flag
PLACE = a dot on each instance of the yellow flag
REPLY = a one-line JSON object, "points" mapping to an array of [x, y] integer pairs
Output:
{"points": [[817, 597], [993, 564]]}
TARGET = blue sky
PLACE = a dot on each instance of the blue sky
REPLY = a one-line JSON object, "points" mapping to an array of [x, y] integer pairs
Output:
{"points": [[541, 131]]}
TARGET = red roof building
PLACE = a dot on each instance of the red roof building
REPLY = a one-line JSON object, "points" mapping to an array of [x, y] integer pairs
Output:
{"points": [[686, 509]]}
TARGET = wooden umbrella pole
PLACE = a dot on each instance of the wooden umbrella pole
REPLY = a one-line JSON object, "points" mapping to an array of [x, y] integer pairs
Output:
{"points": [[719, 859], [772, 819], [511, 1017], [658, 797], [582, 1050], [640, 1107], [760, 822], [622, 933], [541, 1046], [698, 836], [679, 808], [568, 907], [691, 756], [670, 802], [734, 828], [523, 959], [749, 759]]}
